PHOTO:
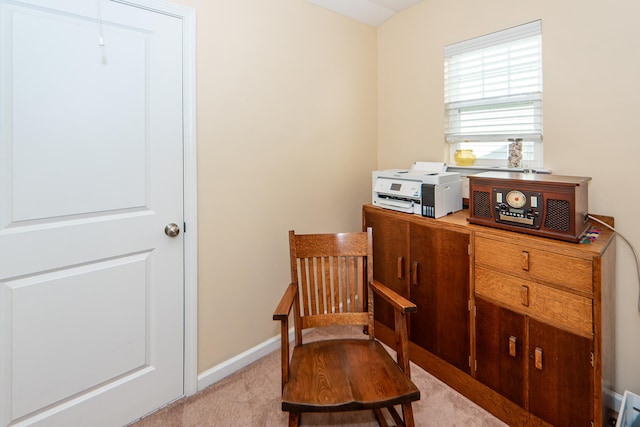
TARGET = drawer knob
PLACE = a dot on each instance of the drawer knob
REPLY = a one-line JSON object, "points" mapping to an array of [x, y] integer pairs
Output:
{"points": [[524, 295], [538, 358], [525, 260]]}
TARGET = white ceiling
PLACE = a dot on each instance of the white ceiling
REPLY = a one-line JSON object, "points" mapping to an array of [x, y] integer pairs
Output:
{"points": [[372, 12]]}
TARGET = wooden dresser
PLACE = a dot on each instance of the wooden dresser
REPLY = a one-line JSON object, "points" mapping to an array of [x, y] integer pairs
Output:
{"points": [[521, 325]]}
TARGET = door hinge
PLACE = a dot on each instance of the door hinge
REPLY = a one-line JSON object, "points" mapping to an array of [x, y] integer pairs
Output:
{"points": [[592, 359]]}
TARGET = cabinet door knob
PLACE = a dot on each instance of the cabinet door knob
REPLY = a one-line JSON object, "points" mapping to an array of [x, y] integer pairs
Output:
{"points": [[512, 346], [400, 268], [538, 358], [414, 274]]}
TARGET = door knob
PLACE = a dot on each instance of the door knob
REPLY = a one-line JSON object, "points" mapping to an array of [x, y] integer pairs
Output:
{"points": [[172, 230]]}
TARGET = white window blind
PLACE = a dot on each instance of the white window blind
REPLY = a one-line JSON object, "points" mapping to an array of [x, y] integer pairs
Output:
{"points": [[493, 89]]}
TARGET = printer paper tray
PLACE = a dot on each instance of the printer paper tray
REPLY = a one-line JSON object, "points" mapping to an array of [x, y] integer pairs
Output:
{"points": [[397, 205]]}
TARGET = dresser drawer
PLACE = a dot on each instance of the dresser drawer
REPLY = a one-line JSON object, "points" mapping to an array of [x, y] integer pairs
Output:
{"points": [[564, 310], [560, 269]]}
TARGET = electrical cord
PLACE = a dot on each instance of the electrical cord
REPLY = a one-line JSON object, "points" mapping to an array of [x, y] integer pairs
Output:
{"points": [[630, 246]]}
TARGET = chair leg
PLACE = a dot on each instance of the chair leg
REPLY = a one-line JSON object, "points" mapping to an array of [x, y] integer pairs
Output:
{"points": [[396, 417], [294, 419], [382, 422], [408, 415]]}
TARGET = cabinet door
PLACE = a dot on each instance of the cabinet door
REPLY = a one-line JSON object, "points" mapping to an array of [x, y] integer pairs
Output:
{"points": [[501, 354], [439, 277], [390, 259], [560, 376]]}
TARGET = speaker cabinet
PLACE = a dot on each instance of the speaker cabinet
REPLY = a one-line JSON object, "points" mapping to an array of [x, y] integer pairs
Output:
{"points": [[546, 205]]}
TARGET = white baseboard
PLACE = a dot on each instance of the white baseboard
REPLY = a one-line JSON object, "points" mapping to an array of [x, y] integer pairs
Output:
{"points": [[612, 398], [228, 367]]}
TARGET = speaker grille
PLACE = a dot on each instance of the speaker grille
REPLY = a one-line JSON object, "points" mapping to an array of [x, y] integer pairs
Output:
{"points": [[482, 204], [558, 215]]}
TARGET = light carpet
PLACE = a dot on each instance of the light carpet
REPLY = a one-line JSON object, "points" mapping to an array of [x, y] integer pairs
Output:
{"points": [[251, 397]]}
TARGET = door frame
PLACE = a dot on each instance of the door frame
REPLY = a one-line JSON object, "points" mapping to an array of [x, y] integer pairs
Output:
{"points": [[190, 202]]}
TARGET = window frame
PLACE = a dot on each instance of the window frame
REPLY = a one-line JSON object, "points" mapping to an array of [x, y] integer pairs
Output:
{"points": [[513, 112]]}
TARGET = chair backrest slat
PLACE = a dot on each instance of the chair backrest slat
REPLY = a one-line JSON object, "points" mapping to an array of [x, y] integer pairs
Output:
{"points": [[334, 274], [304, 284], [345, 281], [354, 279], [318, 263]]}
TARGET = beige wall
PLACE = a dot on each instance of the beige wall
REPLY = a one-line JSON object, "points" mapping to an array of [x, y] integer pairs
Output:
{"points": [[591, 87], [289, 115], [286, 140]]}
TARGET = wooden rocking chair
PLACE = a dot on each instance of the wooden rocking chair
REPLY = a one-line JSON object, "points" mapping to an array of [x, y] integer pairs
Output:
{"points": [[328, 277]]}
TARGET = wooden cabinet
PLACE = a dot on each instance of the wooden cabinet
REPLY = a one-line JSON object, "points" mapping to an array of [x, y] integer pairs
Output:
{"points": [[391, 257], [540, 332], [439, 285], [429, 265], [501, 352], [561, 376], [535, 365], [550, 292]]}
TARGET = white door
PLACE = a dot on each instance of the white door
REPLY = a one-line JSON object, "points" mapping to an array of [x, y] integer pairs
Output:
{"points": [[91, 287]]}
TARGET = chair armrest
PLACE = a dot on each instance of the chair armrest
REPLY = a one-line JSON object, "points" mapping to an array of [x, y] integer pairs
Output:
{"points": [[401, 306], [397, 301], [286, 302], [282, 314]]}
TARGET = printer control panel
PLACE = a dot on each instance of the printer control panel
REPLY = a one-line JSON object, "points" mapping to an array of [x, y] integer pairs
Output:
{"points": [[408, 189]]}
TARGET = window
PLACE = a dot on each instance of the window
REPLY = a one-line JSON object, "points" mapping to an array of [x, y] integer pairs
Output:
{"points": [[493, 93]]}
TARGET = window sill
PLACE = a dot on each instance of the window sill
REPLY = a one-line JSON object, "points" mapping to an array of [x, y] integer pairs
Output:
{"points": [[470, 170]]}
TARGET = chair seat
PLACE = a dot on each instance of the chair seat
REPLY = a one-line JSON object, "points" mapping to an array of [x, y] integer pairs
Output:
{"points": [[345, 375]]}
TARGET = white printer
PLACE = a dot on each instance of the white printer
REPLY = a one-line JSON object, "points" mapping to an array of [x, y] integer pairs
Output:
{"points": [[426, 189]]}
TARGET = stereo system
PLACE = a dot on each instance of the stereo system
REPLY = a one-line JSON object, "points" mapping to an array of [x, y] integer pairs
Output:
{"points": [[541, 204]]}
